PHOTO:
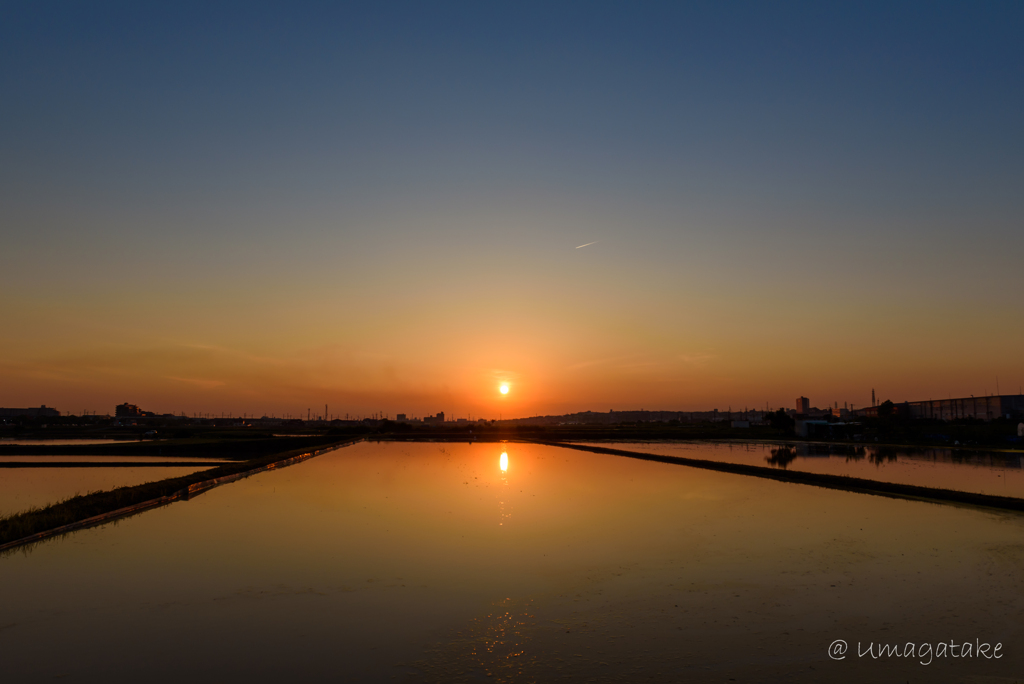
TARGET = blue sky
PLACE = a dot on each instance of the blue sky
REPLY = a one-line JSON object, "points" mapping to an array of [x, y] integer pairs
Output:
{"points": [[855, 168]]}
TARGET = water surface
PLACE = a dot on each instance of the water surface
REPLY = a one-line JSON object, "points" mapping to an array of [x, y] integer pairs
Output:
{"points": [[431, 562], [25, 488], [983, 472]]}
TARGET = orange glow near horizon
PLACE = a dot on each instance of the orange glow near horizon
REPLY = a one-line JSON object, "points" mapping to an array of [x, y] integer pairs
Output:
{"points": [[187, 356], [264, 374]]}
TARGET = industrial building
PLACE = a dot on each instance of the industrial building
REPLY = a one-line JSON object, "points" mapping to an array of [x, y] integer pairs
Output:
{"points": [[980, 408]]}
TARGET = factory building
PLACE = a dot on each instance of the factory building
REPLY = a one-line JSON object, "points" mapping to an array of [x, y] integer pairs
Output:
{"points": [[980, 408]]}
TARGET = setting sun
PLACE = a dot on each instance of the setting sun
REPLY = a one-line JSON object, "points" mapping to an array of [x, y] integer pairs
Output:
{"points": [[504, 389]]}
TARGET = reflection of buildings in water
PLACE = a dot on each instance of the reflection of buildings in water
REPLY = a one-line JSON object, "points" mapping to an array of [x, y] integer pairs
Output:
{"points": [[984, 459], [880, 455], [786, 454], [824, 450]]}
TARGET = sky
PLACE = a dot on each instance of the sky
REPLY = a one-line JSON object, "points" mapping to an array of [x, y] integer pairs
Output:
{"points": [[268, 207]]}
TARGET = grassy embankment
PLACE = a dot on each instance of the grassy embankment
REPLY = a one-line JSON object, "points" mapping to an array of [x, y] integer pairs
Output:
{"points": [[248, 455]]}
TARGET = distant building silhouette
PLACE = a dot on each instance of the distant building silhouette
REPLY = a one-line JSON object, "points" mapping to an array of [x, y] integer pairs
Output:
{"points": [[642, 416], [978, 408], [803, 405], [42, 412], [127, 410]]}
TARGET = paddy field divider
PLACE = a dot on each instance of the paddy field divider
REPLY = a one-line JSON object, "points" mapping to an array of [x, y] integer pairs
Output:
{"points": [[843, 482], [194, 489]]}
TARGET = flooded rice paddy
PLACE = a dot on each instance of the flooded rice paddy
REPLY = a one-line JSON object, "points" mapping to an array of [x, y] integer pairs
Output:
{"points": [[515, 563], [983, 472], [25, 488]]}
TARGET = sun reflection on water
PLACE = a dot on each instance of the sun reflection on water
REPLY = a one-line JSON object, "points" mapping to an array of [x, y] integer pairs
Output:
{"points": [[503, 464], [490, 648]]}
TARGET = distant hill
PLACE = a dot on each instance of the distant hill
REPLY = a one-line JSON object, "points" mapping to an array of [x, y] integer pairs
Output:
{"points": [[642, 416]]}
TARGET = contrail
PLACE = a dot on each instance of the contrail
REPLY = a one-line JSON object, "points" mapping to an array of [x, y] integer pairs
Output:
{"points": [[588, 244]]}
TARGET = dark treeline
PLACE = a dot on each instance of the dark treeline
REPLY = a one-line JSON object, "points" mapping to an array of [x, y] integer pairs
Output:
{"points": [[228, 440]]}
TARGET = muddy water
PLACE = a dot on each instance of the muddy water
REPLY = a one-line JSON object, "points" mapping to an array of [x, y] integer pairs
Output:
{"points": [[430, 562]]}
